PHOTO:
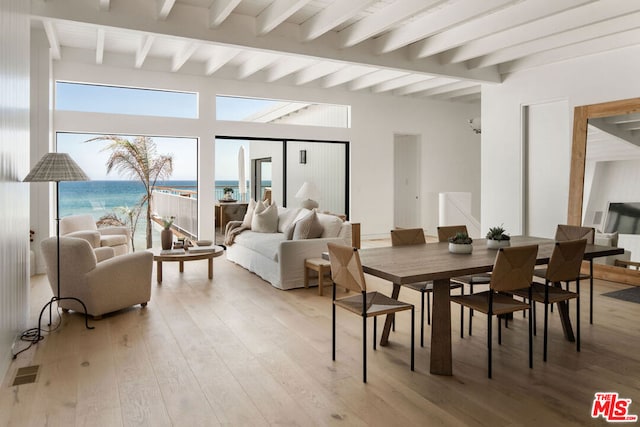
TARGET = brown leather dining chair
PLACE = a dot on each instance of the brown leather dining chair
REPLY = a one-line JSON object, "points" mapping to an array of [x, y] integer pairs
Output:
{"points": [[564, 265], [415, 236], [512, 270], [346, 272]]}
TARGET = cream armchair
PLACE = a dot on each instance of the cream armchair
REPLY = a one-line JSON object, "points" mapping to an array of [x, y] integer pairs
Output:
{"points": [[84, 227], [114, 283]]}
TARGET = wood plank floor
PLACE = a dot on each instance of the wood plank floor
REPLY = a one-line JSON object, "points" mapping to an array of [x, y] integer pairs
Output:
{"points": [[235, 351]]}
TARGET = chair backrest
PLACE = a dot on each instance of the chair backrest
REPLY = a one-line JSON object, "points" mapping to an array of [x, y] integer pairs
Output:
{"points": [[72, 223], [513, 268], [575, 232], [447, 231], [76, 260], [407, 236], [566, 260], [346, 268]]}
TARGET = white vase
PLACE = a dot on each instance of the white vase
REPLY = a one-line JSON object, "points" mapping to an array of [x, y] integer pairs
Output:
{"points": [[456, 248], [497, 244]]}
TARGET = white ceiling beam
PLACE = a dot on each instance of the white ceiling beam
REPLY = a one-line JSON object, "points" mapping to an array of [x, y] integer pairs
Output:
{"points": [[183, 55], [564, 21], [52, 36], [445, 88], [256, 62], [239, 32], [317, 71], [590, 47], [287, 66], [500, 20], [104, 5], [600, 29], [220, 10], [625, 118], [617, 131], [330, 17], [143, 49], [375, 78], [100, 46], [400, 82], [471, 90], [422, 86], [382, 20], [345, 75], [276, 13], [164, 8], [221, 56], [434, 22]]}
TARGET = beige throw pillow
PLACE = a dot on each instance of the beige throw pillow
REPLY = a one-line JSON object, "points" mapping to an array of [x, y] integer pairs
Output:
{"points": [[308, 227], [246, 221], [265, 220]]}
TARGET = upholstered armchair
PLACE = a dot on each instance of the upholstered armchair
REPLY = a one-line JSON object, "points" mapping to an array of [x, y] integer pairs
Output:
{"points": [[103, 281], [84, 227]]}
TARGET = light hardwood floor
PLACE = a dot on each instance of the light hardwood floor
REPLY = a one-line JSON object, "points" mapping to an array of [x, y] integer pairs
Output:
{"points": [[235, 351]]}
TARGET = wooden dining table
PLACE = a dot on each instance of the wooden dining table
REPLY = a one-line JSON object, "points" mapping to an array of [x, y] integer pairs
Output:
{"points": [[433, 262]]}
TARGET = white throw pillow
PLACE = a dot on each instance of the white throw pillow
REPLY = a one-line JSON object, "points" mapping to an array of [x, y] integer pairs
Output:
{"points": [[246, 221], [331, 225], [286, 217], [265, 220], [308, 227]]}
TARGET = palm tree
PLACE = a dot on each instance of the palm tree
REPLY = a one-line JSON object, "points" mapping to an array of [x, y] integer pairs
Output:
{"points": [[138, 159]]}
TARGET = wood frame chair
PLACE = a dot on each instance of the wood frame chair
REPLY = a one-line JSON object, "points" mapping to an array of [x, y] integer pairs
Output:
{"points": [[564, 265], [415, 236], [346, 271], [513, 270]]}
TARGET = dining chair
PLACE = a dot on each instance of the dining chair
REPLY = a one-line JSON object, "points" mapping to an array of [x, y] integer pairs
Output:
{"points": [[415, 236], [564, 265], [575, 232], [512, 270], [444, 232], [346, 272]]}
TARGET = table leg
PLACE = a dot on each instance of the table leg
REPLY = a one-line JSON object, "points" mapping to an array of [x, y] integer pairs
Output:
{"points": [[320, 280], [181, 266], [565, 320], [441, 329], [159, 271], [210, 268], [384, 340]]}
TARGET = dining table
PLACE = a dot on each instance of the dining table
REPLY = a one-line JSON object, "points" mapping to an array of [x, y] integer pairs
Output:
{"points": [[433, 262]]}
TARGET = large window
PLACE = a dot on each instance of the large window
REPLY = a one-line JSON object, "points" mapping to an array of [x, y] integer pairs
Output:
{"points": [[125, 100]]}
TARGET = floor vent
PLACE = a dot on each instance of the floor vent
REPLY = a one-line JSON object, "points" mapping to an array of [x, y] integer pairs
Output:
{"points": [[26, 375]]}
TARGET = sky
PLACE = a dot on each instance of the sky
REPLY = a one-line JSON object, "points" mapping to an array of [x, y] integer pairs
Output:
{"points": [[92, 159]]}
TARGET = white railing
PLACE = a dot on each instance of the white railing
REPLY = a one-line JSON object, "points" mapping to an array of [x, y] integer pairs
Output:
{"points": [[184, 209], [455, 208]]}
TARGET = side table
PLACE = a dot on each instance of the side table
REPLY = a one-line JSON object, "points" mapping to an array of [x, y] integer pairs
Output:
{"points": [[319, 265]]}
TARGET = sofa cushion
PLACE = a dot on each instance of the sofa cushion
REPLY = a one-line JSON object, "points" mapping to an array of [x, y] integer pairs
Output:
{"points": [[331, 225], [265, 220], [246, 221], [113, 240], [308, 227], [606, 239], [286, 216], [266, 244]]}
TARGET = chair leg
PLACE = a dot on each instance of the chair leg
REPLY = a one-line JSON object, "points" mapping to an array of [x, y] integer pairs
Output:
{"points": [[470, 323], [333, 332], [533, 314], [591, 291], [546, 320], [375, 330], [499, 330], [429, 308], [364, 349], [461, 313], [422, 318], [471, 293], [530, 340], [489, 316], [412, 337], [578, 316]]}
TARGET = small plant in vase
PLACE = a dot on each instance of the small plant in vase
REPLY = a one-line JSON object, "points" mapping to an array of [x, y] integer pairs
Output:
{"points": [[228, 194], [166, 235], [461, 243], [497, 238]]}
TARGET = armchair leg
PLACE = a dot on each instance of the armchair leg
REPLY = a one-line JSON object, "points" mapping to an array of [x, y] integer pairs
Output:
{"points": [[144, 304]]}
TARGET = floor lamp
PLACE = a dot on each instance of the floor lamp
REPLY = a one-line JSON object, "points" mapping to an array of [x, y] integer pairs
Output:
{"points": [[56, 167]]}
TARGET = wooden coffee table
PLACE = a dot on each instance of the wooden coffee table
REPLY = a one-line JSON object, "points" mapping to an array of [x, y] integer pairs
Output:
{"points": [[209, 255]]}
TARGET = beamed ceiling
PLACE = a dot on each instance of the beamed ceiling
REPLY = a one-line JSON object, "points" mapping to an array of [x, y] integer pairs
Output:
{"points": [[418, 48]]}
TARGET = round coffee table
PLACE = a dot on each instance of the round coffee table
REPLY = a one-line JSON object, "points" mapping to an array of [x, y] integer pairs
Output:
{"points": [[199, 253]]}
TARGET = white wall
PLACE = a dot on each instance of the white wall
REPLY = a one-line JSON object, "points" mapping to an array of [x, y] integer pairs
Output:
{"points": [[447, 142], [14, 166], [588, 80]]}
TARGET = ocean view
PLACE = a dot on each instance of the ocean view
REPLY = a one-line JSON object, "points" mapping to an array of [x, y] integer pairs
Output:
{"points": [[99, 198]]}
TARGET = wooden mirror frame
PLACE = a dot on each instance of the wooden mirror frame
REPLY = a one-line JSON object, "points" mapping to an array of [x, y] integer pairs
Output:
{"points": [[581, 115]]}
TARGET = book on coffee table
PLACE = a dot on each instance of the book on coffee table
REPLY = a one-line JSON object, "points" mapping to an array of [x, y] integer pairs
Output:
{"points": [[172, 252], [201, 249]]}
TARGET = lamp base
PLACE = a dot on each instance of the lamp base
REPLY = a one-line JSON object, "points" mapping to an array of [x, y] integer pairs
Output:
{"points": [[50, 305], [309, 204]]}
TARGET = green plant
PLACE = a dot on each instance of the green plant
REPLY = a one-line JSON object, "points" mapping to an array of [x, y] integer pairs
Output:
{"points": [[461, 239], [226, 190], [166, 222], [498, 233]]}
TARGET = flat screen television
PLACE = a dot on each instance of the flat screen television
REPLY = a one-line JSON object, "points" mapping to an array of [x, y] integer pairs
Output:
{"points": [[623, 218]]}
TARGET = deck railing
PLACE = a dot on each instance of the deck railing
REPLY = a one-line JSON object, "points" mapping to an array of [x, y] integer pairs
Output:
{"points": [[181, 206]]}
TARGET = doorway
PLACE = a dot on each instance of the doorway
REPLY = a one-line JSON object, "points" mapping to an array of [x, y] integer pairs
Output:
{"points": [[406, 167], [262, 177]]}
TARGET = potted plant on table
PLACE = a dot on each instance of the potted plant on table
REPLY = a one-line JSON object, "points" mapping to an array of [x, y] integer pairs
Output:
{"points": [[166, 235], [461, 243], [497, 238], [228, 194]]}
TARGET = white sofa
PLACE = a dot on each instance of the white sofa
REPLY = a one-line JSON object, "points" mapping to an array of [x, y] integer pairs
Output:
{"points": [[281, 261]]}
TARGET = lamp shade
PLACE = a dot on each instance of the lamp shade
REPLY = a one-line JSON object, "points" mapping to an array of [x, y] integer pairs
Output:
{"points": [[308, 191], [55, 167]]}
